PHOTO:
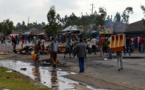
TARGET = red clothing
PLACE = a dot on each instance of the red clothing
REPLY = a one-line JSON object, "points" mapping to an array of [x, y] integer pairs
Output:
{"points": [[132, 41], [141, 41], [12, 37], [22, 41], [101, 41]]}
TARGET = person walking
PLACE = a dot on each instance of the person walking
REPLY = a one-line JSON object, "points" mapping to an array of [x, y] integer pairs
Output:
{"points": [[68, 48], [94, 42], [128, 46], [42, 44], [119, 60], [53, 51], [135, 43], [101, 45], [80, 51], [105, 46], [109, 50], [141, 42], [22, 42], [89, 46], [37, 49], [2, 39], [14, 45], [16, 38]]}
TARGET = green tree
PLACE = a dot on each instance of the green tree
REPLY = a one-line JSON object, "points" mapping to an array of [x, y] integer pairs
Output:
{"points": [[71, 20], [43, 24], [143, 9], [30, 25], [23, 26], [117, 17], [0, 27], [126, 13], [18, 26], [58, 18], [7, 27], [100, 18], [52, 27]]}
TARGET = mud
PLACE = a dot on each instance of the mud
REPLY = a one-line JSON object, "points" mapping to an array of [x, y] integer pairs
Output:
{"points": [[98, 72]]}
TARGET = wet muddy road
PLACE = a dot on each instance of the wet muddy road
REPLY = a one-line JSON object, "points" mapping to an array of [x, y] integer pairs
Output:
{"points": [[99, 73], [48, 76]]}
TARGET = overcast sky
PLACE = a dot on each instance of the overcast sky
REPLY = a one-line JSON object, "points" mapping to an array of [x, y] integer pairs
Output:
{"points": [[36, 10]]}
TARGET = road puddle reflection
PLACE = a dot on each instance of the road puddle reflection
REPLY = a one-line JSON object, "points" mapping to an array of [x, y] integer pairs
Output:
{"points": [[48, 76]]}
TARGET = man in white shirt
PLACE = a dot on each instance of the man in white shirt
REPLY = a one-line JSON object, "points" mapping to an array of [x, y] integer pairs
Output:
{"points": [[89, 46], [42, 44], [94, 41]]}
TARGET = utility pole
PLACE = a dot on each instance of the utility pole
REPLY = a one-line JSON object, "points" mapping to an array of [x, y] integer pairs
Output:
{"points": [[28, 20], [81, 13], [28, 23], [92, 8]]}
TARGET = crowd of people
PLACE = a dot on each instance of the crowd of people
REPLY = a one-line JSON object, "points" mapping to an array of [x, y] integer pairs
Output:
{"points": [[102, 44], [78, 46]]}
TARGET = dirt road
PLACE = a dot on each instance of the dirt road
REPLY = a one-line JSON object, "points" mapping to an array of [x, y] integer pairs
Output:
{"points": [[104, 74], [101, 73]]}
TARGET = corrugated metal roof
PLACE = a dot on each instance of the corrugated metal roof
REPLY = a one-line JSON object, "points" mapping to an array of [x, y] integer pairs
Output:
{"points": [[136, 26]]}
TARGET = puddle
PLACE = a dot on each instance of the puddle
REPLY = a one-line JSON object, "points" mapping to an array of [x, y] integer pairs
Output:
{"points": [[5, 89], [48, 76]]}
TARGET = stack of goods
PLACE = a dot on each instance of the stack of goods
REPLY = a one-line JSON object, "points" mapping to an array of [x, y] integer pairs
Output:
{"points": [[62, 48], [117, 42]]}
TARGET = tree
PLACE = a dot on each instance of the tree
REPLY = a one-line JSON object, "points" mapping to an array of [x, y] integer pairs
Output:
{"points": [[100, 18], [1, 27], [30, 25], [71, 20], [23, 26], [126, 13], [59, 21], [117, 17], [143, 9], [7, 27], [84, 20], [43, 24], [58, 18], [52, 27], [18, 26]]}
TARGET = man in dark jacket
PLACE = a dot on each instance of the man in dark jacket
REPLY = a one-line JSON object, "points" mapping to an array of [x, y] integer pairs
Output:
{"points": [[128, 46], [80, 51]]}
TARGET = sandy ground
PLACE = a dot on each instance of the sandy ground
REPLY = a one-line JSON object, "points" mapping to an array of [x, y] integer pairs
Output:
{"points": [[100, 73]]}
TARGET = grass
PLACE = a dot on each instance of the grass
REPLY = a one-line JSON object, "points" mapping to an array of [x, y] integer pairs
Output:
{"points": [[17, 81]]}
